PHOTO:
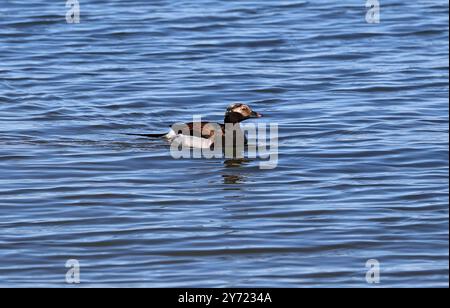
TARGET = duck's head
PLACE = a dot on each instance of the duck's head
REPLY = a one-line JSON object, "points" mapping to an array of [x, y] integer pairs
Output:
{"points": [[237, 113]]}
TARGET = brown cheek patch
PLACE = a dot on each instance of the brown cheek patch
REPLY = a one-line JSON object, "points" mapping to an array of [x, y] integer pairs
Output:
{"points": [[245, 111]]}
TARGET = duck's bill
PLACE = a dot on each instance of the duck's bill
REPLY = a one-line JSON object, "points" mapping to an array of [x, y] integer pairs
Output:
{"points": [[256, 115]]}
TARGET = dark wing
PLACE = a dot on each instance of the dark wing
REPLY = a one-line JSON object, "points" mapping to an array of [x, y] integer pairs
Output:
{"points": [[204, 129]]}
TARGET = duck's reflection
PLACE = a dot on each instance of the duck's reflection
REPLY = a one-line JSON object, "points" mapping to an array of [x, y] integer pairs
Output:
{"points": [[230, 179], [233, 173], [236, 162]]}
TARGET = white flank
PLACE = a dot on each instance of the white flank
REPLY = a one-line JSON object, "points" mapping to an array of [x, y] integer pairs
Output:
{"points": [[189, 141]]}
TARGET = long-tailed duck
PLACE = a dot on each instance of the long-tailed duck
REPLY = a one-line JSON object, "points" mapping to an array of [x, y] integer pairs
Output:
{"points": [[205, 134]]}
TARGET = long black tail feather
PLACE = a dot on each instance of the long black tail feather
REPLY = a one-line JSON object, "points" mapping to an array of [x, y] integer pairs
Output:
{"points": [[148, 135]]}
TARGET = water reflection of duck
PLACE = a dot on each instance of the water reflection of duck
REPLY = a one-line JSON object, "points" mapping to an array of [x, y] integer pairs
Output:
{"points": [[234, 164], [187, 134], [231, 179]]}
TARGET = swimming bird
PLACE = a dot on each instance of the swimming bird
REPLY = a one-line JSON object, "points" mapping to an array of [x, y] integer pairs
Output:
{"points": [[205, 134]]}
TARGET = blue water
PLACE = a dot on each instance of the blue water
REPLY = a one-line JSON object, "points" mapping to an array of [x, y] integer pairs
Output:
{"points": [[363, 170]]}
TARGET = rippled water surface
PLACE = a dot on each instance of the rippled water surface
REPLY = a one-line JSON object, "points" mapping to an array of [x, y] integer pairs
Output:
{"points": [[363, 117]]}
